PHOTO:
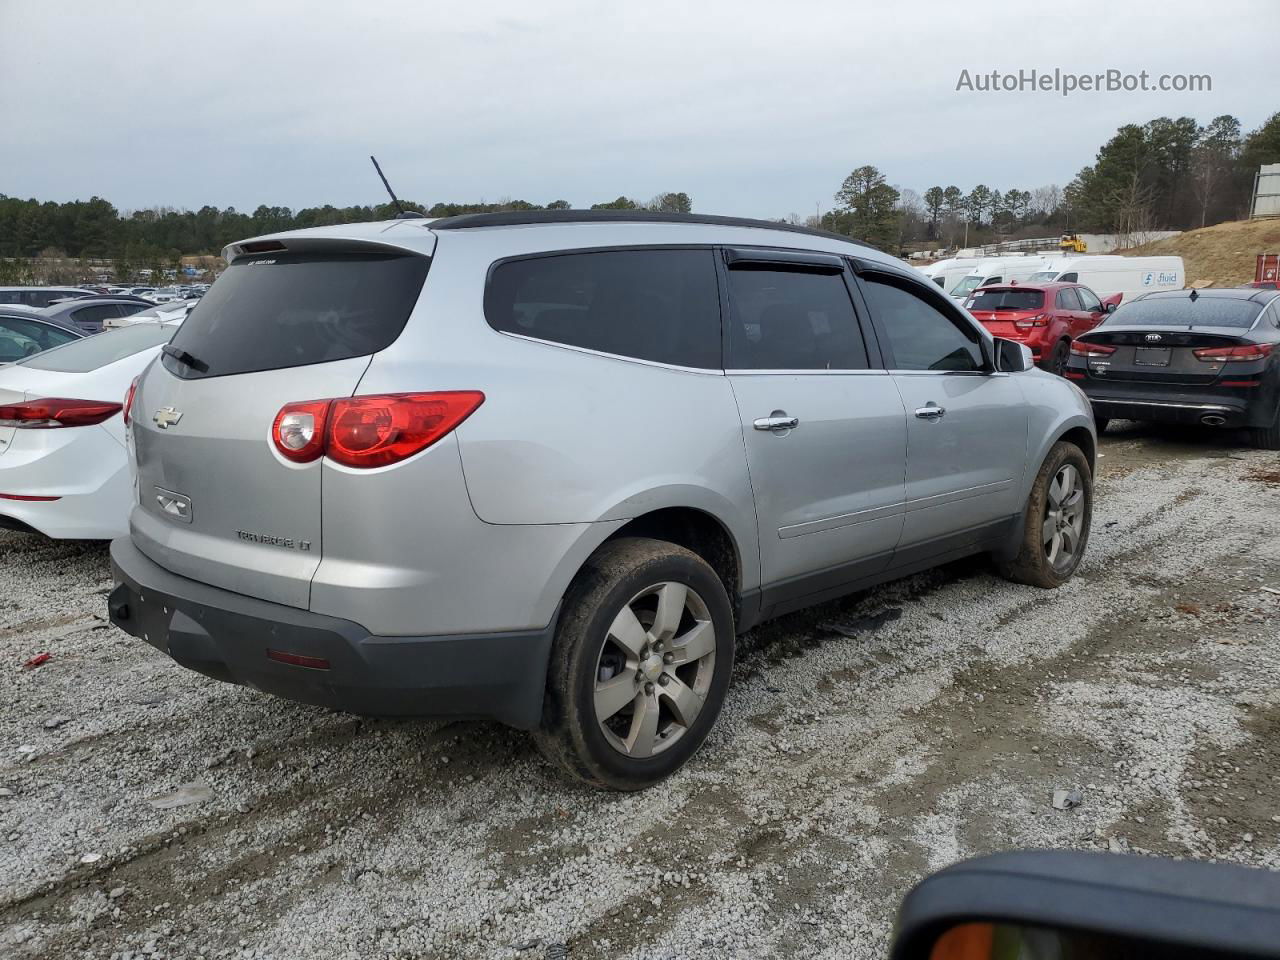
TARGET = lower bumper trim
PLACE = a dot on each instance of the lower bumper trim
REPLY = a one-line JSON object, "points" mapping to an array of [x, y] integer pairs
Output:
{"points": [[230, 637]]}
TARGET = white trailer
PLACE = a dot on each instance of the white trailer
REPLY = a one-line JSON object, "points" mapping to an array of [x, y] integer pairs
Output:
{"points": [[1109, 274]]}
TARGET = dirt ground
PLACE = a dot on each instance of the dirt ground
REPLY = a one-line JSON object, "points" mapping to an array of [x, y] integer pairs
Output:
{"points": [[1224, 255], [864, 744]]}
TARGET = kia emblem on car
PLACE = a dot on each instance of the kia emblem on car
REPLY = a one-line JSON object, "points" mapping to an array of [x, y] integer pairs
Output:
{"points": [[167, 417], [1153, 337]]}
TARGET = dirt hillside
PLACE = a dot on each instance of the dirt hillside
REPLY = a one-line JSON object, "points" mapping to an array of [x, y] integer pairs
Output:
{"points": [[1224, 254]]}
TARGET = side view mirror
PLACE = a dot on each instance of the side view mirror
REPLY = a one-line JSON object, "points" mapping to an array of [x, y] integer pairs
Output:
{"points": [[1065, 904], [1113, 301], [1013, 357], [1109, 307]]}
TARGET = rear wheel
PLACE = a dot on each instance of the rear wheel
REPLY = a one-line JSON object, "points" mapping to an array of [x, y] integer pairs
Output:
{"points": [[1057, 362], [1267, 438], [639, 667], [1056, 521]]}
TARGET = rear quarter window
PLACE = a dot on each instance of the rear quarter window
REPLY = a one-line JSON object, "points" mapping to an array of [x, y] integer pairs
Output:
{"points": [[295, 309], [657, 305]]}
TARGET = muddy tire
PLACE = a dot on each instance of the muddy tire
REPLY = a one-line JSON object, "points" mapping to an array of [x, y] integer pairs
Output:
{"points": [[639, 666], [1056, 521], [1267, 438]]}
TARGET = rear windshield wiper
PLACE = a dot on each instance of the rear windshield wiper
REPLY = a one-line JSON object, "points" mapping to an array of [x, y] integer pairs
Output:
{"points": [[169, 350]]}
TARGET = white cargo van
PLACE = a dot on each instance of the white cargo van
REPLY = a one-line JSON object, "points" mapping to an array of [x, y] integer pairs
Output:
{"points": [[947, 273], [1109, 274], [997, 270]]}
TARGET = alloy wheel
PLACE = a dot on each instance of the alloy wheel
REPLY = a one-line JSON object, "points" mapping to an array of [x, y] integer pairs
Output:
{"points": [[1063, 528], [654, 669]]}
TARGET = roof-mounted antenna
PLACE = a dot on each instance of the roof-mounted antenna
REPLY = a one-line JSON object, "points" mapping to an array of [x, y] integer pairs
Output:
{"points": [[1194, 296], [403, 214]]}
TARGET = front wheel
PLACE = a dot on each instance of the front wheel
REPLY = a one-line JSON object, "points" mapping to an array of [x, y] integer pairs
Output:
{"points": [[1056, 520], [639, 667]]}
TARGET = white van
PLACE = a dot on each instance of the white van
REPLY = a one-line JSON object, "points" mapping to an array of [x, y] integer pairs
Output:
{"points": [[997, 270], [946, 273], [1109, 274]]}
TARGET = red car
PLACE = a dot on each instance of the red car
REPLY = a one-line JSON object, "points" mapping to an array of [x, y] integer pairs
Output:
{"points": [[1044, 316]]}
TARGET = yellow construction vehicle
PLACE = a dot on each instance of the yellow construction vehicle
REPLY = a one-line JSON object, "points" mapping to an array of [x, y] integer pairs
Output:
{"points": [[1072, 243]]}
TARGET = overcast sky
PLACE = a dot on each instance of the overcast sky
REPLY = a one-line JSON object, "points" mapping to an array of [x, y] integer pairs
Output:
{"points": [[755, 109]]}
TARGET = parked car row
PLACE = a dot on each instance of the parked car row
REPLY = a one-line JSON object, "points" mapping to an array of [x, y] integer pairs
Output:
{"points": [[1107, 275]]}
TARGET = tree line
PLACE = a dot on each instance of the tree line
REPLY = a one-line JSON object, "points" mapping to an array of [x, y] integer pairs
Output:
{"points": [[95, 229], [1165, 174]]}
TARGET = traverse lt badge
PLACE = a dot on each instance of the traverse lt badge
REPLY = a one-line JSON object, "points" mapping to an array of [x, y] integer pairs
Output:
{"points": [[166, 417]]}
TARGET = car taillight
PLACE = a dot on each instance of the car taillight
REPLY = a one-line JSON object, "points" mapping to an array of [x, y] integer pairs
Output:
{"points": [[376, 431], [370, 431], [1039, 320], [53, 412], [1079, 349], [298, 431], [1249, 351], [128, 399]]}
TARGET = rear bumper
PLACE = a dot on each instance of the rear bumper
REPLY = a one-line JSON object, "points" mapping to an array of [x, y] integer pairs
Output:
{"points": [[227, 636], [1168, 411]]}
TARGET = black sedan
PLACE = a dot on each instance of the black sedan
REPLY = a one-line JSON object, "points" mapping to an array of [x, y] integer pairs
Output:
{"points": [[1187, 356]]}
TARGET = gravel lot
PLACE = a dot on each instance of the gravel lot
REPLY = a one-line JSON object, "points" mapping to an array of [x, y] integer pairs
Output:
{"points": [[864, 744]]}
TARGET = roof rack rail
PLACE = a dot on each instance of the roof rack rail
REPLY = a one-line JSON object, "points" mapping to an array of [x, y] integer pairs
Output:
{"points": [[524, 217]]}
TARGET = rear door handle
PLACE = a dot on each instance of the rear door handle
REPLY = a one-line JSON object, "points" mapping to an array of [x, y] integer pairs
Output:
{"points": [[778, 420], [931, 412]]}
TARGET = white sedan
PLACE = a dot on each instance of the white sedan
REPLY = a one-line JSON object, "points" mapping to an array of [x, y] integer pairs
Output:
{"points": [[64, 471]]}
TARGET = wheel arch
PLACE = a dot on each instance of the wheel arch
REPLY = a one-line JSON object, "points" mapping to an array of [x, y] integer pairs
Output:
{"points": [[709, 535]]}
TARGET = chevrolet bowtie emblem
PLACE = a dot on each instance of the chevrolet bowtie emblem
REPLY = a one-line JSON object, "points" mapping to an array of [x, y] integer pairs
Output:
{"points": [[166, 417]]}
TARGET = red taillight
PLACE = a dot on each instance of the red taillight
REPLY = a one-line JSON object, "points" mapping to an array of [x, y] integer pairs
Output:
{"points": [[1248, 351], [28, 497], [376, 431], [370, 431], [1079, 349], [1039, 320], [56, 412], [298, 431], [128, 399]]}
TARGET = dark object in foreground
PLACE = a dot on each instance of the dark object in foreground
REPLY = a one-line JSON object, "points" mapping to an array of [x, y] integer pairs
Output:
{"points": [[1068, 905]]}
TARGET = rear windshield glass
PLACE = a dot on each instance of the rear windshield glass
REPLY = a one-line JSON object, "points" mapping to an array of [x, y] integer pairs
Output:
{"points": [[1007, 300], [290, 310], [81, 356], [1185, 312]]}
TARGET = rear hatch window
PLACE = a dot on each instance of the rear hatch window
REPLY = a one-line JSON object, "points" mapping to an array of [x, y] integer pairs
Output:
{"points": [[82, 356], [294, 309], [1185, 312], [1007, 300]]}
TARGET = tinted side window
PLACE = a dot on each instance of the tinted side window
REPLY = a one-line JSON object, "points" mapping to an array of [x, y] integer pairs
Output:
{"points": [[1067, 300], [921, 336], [1088, 301], [659, 305], [1069, 278], [786, 320]]}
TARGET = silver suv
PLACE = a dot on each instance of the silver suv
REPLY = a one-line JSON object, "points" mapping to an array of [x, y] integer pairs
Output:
{"points": [[546, 467]]}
